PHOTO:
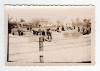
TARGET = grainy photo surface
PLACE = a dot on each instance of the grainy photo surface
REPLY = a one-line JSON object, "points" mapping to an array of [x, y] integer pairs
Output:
{"points": [[49, 35]]}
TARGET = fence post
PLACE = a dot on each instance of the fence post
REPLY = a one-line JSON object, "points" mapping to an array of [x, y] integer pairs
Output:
{"points": [[40, 43], [41, 59]]}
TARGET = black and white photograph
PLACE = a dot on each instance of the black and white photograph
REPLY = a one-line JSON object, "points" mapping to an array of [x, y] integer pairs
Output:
{"points": [[49, 35]]}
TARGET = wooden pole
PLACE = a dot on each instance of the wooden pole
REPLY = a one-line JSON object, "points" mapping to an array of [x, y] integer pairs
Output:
{"points": [[8, 42], [40, 43], [41, 59]]}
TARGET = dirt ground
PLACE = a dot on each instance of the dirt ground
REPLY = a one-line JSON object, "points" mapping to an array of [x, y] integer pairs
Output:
{"points": [[64, 47]]}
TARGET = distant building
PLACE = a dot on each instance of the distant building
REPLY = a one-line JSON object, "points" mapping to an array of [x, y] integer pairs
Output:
{"points": [[45, 23]]}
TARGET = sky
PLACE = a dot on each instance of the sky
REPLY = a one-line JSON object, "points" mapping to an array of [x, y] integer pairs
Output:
{"points": [[63, 13]]}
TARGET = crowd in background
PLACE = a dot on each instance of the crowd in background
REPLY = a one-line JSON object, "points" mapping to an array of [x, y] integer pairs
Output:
{"points": [[83, 28]]}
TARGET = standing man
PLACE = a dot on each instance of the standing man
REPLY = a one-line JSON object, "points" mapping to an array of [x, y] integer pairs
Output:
{"points": [[49, 36]]}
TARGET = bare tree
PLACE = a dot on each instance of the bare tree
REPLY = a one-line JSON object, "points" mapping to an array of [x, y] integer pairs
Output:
{"points": [[87, 26]]}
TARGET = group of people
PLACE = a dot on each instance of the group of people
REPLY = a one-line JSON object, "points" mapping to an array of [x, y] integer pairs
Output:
{"points": [[84, 30], [59, 29], [47, 34]]}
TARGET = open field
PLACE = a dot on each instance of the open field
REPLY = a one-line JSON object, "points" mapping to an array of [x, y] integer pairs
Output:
{"points": [[64, 47]]}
